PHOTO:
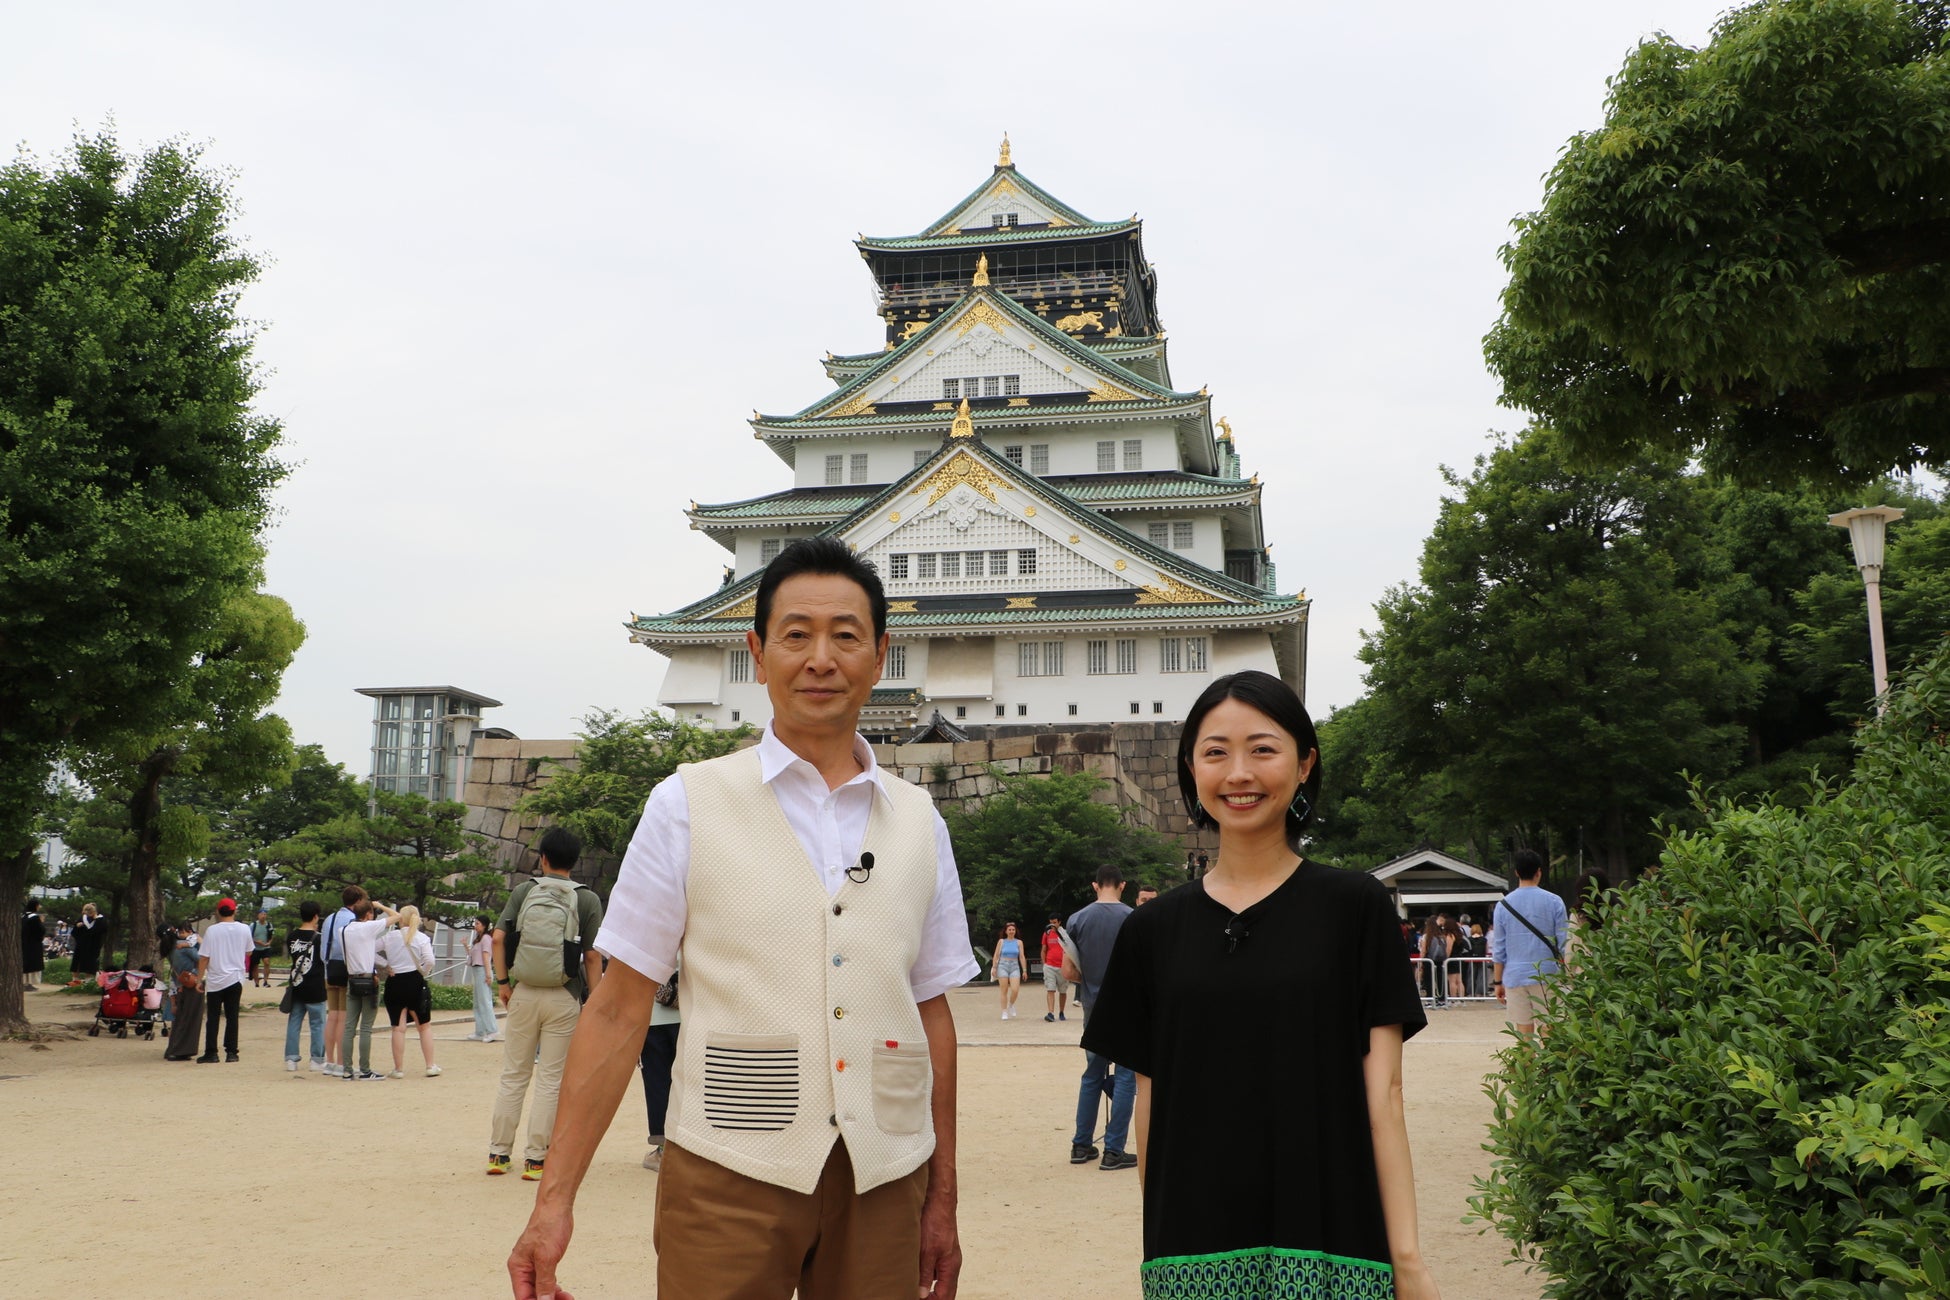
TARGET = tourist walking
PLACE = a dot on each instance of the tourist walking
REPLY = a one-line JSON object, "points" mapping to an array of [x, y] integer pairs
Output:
{"points": [[1056, 990], [409, 997], [182, 955], [220, 966], [1268, 998], [86, 941], [658, 1058], [1532, 927], [362, 985], [306, 985], [1011, 963], [332, 944], [480, 978], [260, 964], [818, 946], [1094, 930], [546, 919]]}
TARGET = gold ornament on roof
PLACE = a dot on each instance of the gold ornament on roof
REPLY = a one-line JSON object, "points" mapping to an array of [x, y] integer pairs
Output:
{"points": [[982, 271], [1106, 391], [1002, 158], [900, 607], [1225, 427], [1170, 591], [1022, 602], [860, 405], [746, 608], [961, 469], [964, 426]]}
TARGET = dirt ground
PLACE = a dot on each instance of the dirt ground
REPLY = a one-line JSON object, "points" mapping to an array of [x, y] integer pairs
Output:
{"points": [[147, 1177]]}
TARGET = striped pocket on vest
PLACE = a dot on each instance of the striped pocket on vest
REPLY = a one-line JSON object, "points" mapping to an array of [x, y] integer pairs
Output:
{"points": [[751, 1081]]}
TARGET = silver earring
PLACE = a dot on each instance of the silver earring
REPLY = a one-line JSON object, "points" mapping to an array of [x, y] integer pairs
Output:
{"points": [[1301, 805]]}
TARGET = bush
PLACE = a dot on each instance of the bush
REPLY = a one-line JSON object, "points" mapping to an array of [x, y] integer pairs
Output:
{"points": [[453, 997], [1743, 1091], [57, 971]]}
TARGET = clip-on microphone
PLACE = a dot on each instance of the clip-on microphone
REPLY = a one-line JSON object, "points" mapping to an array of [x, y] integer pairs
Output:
{"points": [[859, 875]]}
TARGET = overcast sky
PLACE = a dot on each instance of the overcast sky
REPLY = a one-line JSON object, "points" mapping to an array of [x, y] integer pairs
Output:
{"points": [[529, 268]]}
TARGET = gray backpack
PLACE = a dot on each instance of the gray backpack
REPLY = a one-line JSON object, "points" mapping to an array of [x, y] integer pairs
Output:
{"points": [[550, 935]]}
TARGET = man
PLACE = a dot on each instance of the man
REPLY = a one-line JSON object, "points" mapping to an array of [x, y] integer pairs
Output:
{"points": [[332, 945], [261, 950], [1145, 894], [220, 974], [811, 1127], [1532, 927], [1094, 929], [544, 992], [362, 938], [1056, 990]]}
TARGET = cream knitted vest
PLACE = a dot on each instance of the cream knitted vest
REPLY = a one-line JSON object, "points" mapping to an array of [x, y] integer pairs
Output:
{"points": [[799, 1022]]}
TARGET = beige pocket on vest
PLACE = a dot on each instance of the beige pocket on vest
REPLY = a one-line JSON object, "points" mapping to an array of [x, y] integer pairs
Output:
{"points": [[900, 1088], [751, 1081]]}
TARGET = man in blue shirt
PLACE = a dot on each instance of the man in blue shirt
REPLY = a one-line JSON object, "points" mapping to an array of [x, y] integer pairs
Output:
{"points": [[1527, 943]]}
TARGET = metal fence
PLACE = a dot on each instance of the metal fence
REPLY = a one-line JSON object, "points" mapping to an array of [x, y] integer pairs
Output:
{"points": [[1475, 977]]}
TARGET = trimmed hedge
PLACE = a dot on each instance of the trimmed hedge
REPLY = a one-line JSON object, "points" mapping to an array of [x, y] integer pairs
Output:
{"points": [[1745, 1091]]}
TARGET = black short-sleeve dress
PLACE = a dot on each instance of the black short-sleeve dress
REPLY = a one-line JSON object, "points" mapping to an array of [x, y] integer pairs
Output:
{"points": [[1259, 1168]]}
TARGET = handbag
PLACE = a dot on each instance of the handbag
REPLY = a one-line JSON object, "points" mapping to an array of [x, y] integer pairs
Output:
{"points": [[288, 1001], [362, 986]]}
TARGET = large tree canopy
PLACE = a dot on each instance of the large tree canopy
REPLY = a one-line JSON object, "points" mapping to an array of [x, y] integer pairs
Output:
{"points": [[1750, 259], [134, 478]]}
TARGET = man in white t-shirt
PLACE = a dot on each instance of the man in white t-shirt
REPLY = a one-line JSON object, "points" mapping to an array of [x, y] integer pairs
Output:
{"points": [[361, 956], [220, 974]]}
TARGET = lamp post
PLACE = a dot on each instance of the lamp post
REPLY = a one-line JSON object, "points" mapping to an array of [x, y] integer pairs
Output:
{"points": [[1867, 527]]}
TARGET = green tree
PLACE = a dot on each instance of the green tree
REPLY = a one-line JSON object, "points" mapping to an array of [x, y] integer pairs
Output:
{"points": [[1550, 673], [1831, 645], [600, 793], [1741, 1092], [1373, 805], [134, 477], [215, 728], [1747, 261], [1031, 850], [410, 850]]}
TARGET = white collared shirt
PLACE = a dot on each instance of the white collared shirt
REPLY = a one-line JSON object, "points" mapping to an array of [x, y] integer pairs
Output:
{"points": [[647, 910]]}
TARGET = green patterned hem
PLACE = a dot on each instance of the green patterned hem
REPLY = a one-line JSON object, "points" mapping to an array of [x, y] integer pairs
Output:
{"points": [[1266, 1273]]}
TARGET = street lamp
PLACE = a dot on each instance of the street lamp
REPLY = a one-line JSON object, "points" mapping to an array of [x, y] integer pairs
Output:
{"points": [[1866, 528]]}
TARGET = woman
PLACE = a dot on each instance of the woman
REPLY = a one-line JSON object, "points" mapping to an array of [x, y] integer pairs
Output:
{"points": [[1459, 946], [307, 989], [189, 998], [1268, 997], [480, 967], [409, 999], [1435, 951], [1588, 893], [86, 937], [1479, 946], [1011, 960]]}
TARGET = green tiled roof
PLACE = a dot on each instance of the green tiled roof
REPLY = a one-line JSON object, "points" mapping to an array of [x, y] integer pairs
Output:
{"points": [[792, 502], [1021, 182], [1122, 343], [1086, 489], [1154, 407], [916, 346], [995, 235], [1273, 609]]}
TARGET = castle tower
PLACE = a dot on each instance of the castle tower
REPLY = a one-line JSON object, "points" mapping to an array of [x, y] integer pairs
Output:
{"points": [[1065, 537]]}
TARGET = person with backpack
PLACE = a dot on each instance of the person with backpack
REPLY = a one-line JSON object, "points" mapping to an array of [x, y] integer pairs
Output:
{"points": [[550, 924]]}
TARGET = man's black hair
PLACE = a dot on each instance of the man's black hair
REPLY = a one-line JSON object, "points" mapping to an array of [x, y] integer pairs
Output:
{"points": [[307, 911], [1108, 875], [1529, 864], [1276, 700], [821, 555], [561, 847]]}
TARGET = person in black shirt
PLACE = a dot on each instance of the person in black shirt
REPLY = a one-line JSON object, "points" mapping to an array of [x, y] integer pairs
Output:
{"points": [[1263, 1008], [307, 989], [33, 945], [87, 938]]}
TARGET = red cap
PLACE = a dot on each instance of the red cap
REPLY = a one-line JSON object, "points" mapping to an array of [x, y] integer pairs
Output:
{"points": [[223, 903]]}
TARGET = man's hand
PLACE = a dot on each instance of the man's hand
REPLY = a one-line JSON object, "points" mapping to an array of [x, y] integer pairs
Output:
{"points": [[532, 1265], [940, 1249], [505, 992]]}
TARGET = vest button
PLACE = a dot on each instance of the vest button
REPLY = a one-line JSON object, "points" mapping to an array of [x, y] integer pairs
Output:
{"points": [[839, 1013], [838, 960], [836, 909]]}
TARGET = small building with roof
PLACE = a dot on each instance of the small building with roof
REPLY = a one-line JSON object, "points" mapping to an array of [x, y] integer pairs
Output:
{"points": [[1426, 881]]}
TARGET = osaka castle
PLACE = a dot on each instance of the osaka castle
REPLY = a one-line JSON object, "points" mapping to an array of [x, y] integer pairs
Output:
{"points": [[1065, 536]]}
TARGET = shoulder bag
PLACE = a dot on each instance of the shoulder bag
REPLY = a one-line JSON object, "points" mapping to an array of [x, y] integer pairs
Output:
{"points": [[1556, 956]]}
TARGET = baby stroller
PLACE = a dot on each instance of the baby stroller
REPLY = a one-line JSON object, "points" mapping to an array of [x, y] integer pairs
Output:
{"points": [[131, 999]]}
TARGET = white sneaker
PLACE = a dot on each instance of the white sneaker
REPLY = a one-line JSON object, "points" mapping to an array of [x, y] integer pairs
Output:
{"points": [[471, 1038], [396, 1074], [318, 1067], [433, 1071], [291, 1067]]}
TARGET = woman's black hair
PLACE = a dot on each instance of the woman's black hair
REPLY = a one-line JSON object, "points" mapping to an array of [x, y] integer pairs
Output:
{"points": [[1588, 893], [1276, 700]]}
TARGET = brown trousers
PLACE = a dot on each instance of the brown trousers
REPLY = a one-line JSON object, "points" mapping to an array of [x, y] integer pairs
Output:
{"points": [[723, 1236]]}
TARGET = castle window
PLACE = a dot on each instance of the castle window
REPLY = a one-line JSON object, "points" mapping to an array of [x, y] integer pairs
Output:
{"points": [[1157, 534], [998, 564], [1133, 453], [951, 564], [897, 660], [897, 566], [1127, 655], [950, 389], [924, 565], [991, 385], [858, 468], [768, 550], [740, 668], [1181, 535], [835, 470], [1012, 385], [1181, 654], [1073, 710], [1039, 458], [1001, 710], [1096, 657], [1135, 708], [1039, 659], [974, 569], [921, 455], [1002, 220], [1157, 706], [1014, 453], [1022, 710], [1025, 562], [1106, 457]]}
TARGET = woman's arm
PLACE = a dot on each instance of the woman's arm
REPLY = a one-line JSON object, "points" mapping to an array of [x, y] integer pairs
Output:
{"points": [[1394, 1169], [1141, 1122]]}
